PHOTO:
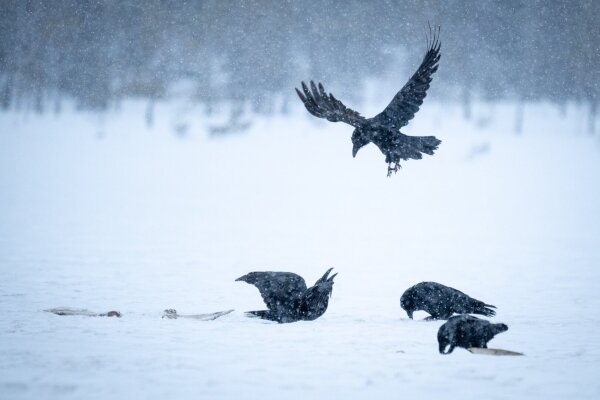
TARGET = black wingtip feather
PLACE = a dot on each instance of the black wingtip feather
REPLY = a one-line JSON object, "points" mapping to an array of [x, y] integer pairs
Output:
{"points": [[323, 105], [305, 89], [322, 90], [300, 95], [434, 43]]}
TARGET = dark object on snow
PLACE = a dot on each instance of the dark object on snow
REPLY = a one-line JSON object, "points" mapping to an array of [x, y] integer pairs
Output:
{"points": [[82, 311], [287, 297], [467, 331], [172, 314], [384, 128], [441, 301]]}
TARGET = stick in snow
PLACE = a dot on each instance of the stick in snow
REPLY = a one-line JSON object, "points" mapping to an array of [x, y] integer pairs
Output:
{"points": [[81, 311], [172, 314], [494, 352]]}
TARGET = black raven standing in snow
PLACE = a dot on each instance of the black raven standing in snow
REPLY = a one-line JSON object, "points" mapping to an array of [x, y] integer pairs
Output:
{"points": [[287, 297], [467, 331], [441, 301], [384, 128]]}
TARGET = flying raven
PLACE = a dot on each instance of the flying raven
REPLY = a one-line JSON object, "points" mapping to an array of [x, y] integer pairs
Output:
{"points": [[441, 301], [384, 128], [287, 297], [467, 331]]}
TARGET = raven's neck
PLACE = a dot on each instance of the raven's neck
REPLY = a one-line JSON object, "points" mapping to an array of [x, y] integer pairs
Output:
{"points": [[314, 304]]}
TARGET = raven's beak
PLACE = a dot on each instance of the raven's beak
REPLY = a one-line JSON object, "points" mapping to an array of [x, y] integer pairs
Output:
{"points": [[354, 151], [324, 278], [443, 348], [330, 279]]}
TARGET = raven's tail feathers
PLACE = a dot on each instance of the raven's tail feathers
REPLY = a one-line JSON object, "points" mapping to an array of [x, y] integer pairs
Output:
{"points": [[486, 310], [499, 328], [263, 314], [423, 144]]}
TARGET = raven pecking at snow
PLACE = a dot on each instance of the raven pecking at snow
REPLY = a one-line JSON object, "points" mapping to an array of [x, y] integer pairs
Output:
{"points": [[287, 297], [467, 331], [441, 301], [384, 128]]}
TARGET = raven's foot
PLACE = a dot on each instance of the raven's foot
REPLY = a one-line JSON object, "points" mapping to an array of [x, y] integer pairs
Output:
{"points": [[394, 170]]}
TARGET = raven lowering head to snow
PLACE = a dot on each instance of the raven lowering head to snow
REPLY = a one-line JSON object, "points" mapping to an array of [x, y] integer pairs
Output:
{"points": [[287, 297], [467, 331], [441, 301], [384, 128]]}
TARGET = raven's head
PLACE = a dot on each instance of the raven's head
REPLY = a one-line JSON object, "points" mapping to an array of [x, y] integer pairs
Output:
{"points": [[446, 340], [316, 299], [326, 278], [248, 278], [359, 139], [407, 303], [324, 285]]}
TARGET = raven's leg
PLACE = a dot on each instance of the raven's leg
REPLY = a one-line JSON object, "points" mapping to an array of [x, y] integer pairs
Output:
{"points": [[394, 170], [445, 316]]}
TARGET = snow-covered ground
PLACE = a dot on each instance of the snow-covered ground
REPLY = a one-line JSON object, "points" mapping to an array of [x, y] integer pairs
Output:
{"points": [[105, 214]]}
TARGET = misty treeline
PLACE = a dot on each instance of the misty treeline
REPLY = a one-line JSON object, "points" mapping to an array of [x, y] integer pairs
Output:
{"points": [[253, 52]]}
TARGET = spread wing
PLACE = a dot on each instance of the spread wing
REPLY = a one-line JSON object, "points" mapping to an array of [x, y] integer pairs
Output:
{"points": [[407, 101], [323, 105], [277, 289]]}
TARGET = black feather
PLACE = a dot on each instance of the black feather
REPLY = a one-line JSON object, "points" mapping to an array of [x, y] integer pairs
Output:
{"points": [[384, 128], [466, 331], [287, 297], [441, 301]]}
